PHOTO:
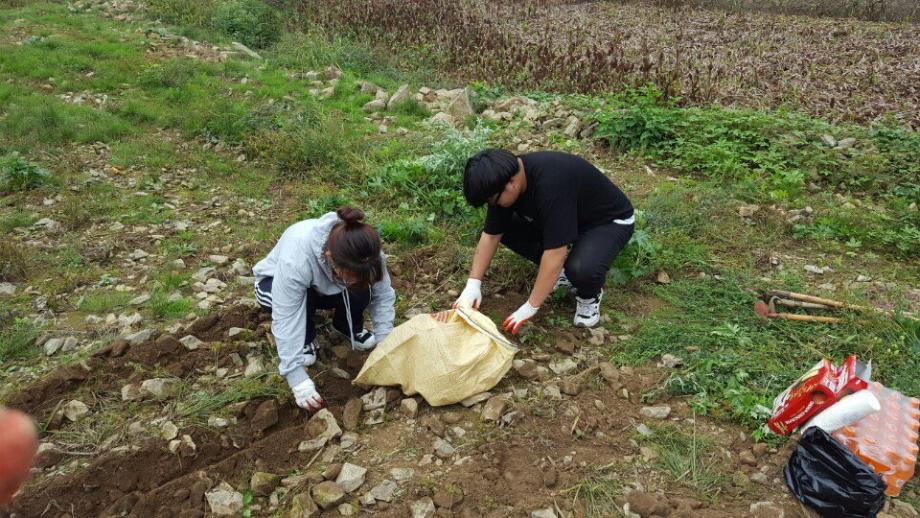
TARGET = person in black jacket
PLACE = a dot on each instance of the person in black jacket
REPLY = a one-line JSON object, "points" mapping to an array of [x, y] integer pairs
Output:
{"points": [[558, 211]]}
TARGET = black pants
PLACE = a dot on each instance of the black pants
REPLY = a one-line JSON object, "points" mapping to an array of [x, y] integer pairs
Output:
{"points": [[358, 301], [589, 259]]}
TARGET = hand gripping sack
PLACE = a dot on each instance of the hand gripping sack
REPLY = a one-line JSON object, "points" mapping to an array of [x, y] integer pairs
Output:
{"points": [[444, 361], [826, 476]]}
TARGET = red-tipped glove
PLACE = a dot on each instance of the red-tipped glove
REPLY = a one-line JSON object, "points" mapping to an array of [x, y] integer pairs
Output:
{"points": [[306, 396], [517, 319]]}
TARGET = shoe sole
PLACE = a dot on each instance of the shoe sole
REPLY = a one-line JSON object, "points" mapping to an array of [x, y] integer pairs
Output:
{"points": [[587, 324]]}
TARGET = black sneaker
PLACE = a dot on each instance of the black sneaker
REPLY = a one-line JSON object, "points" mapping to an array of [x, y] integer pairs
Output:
{"points": [[363, 341], [310, 352]]}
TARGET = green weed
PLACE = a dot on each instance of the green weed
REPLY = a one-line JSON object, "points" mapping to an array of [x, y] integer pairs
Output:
{"points": [[14, 263], [689, 458], [104, 301], [598, 493], [16, 220], [18, 174]]}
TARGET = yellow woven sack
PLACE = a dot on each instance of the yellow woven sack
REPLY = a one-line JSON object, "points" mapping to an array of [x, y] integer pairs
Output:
{"points": [[444, 361]]}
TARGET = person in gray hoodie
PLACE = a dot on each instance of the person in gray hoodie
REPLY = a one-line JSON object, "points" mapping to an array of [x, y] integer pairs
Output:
{"points": [[333, 262]]}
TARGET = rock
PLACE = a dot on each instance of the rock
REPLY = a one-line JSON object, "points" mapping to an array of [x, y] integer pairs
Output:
{"points": [[767, 510], [460, 107], [443, 118], [139, 337], [375, 105], [262, 483], [224, 500], [348, 440], [543, 513], [346, 509], [656, 412], [324, 428], [845, 143], [422, 508], [818, 270], [158, 388], [402, 474], [7, 289], [829, 141], [184, 447], [352, 414], [552, 391], [383, 492], [443, 449], [351, 477], [670, 361], [131, 392], [302, 506], [265, 417], [53, 345], [219, 259], [563, 366], [863, 278], [138, 254], [526, 368], [566, 347], [747, 458], [235, 331], [645, 504], [74, 410], [366, 87], [169, 431], [401, 94], [447, 499], [475, 398], [375, 399], [140, 299], [644, 430], [760, 449], [648, 454], [327, 494], [663, 277], [409, 407], [550, 478], [494, 408], [246, 50], [573, 127], [747, 211], [451, 417], [570, 387], [191, 342], [598, 336], [254, 366], [217, 422], [760, 478]]}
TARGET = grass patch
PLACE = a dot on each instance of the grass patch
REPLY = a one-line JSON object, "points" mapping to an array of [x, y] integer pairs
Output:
{"points": [[598, 493], [688, 458], [203, 404], [14, 264], [18, 219], [17, 340], [104, 301], [736, 364]]}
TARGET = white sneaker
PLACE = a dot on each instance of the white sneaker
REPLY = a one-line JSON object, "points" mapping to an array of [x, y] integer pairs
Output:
{"points": [[588, 311], [563, 282], [310, 351]]}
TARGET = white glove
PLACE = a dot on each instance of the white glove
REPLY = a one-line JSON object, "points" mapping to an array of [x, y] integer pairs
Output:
{"points": [[471, 295], [517, 319], [306, 396]]}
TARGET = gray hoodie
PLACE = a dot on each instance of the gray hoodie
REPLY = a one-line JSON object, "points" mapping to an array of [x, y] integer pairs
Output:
{"points": [[297, 263]]}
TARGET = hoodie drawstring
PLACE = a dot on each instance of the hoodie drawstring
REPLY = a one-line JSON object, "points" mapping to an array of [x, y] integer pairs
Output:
{"points": [[351, 327]]}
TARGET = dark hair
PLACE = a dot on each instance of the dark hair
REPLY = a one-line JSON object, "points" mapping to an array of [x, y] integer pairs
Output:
{"points": [[486, 174], [355, 247]]}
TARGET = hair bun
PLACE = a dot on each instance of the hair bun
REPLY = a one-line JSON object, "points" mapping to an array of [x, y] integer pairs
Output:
{"points": [[350, 215]]}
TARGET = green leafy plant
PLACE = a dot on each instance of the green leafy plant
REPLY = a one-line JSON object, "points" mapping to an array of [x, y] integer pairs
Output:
{"points": [[18, 174]]}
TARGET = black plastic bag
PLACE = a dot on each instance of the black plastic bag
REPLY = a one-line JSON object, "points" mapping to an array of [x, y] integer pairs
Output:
{"points": [[826, 476]]}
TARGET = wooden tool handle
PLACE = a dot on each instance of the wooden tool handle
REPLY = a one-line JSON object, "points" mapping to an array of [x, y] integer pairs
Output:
{"points": [[807, 318]]}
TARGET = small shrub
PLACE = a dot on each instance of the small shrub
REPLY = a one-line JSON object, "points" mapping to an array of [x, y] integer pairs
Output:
{"points": [[301, 147], [410, 231], [17, 174], [76, 214], [252, 22]]}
